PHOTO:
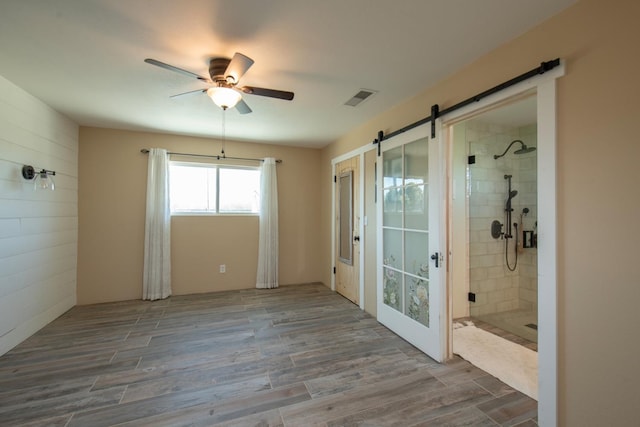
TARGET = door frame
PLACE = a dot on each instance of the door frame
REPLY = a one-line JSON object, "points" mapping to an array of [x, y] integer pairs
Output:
{"points": [[359, 209], [545, 91]]}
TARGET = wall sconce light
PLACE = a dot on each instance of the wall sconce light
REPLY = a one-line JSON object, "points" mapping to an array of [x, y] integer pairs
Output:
{"points": [[41, 180]]}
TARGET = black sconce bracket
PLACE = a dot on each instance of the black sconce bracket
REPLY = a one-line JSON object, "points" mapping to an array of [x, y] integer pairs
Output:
{"points": [[28, 172]]}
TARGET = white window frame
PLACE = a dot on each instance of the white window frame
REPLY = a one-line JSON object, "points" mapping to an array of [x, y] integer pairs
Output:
{"points": [[217, 167]]}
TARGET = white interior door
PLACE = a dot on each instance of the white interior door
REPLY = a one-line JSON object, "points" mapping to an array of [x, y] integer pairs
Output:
{"points": [[411, 294]]}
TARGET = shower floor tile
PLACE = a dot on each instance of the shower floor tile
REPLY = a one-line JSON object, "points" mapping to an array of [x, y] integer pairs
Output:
{"points": [[515, 322], [526, 336]]}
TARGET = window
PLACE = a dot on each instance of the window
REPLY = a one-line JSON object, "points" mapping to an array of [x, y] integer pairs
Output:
{"points": [[202, 188]]}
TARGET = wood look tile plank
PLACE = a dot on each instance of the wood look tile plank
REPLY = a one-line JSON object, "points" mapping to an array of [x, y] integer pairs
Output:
{"points": [[229, 411], [468, 417], [324, 368], [457, 371], [193, 380], [42, 392], [370, 372], [57, 375], [10, 370], [165, 403], [527, 423], [356, 401], [238, 360], [494, 385], [61, 405], [57, 421], [270, 418], [37, 359], [510, 409], [156, 355], [66, 340], [423, 404]]}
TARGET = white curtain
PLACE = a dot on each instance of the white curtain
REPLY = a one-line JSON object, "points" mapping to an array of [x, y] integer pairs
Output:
{"points": [[268, 243], [156, 283]]}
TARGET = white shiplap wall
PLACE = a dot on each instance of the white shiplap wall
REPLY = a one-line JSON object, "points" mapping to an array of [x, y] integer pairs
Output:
{"points": [[38, 229]]}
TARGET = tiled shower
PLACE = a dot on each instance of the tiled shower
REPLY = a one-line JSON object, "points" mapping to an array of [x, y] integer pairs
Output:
{"points": [[504, 298]]}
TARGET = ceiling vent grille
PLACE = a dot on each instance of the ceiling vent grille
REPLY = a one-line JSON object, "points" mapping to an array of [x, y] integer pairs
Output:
{"points": [[359, 97]]}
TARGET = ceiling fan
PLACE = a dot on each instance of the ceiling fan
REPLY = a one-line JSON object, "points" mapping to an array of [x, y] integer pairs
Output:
{"points": [[224, 77]]}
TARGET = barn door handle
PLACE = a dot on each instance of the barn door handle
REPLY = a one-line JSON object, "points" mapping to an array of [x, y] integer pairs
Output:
{"points": [[436, 258]]}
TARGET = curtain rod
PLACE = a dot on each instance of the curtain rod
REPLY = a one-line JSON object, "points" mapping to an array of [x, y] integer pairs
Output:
{"points": [[218, 157]]}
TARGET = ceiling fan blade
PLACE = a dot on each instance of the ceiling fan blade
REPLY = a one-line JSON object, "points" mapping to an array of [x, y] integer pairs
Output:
{"points": [[242, 107], [271, 93], [237, 67], [175, 69], [187, 93]]}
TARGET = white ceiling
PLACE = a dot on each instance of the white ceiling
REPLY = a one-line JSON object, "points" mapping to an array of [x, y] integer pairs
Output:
{"points": [[85, 58]]}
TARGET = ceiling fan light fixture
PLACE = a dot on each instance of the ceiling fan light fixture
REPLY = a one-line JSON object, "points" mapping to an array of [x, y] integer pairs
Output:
{"points": [[224, 97]]}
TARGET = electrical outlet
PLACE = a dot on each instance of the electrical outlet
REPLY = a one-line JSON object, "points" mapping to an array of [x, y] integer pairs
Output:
{"points": [[223, 268]]}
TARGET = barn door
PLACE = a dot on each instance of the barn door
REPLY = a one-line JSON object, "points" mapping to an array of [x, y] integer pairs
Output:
{"points": [[411, 293]]}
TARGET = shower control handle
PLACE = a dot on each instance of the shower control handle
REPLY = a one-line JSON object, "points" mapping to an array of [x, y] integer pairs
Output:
{"points": [[436, 258]]}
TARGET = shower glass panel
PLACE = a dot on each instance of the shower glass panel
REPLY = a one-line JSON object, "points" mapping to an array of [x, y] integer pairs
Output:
{"points": [[502, 270]]}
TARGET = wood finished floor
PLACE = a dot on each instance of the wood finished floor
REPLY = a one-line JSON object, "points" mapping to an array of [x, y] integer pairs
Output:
{"points": [[293, 356]]}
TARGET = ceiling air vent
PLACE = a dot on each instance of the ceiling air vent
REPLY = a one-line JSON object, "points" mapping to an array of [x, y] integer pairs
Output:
{"points": [[359, 97]]}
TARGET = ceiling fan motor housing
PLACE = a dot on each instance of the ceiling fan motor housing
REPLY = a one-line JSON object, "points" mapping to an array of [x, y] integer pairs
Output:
{"points": [[217, 67]]}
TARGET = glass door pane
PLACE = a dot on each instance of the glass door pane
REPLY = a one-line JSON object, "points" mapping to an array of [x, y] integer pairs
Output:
{"points": [[393, 192], [392, 261], [416, 167], [417, 299]]}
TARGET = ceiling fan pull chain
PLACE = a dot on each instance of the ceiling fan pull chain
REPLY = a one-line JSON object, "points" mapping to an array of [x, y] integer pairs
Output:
{"points": [[224, 125]]}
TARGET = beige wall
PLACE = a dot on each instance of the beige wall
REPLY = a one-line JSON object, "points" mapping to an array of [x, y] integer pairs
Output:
{"points": [[112, 209], [598, 196], [38, 229]]}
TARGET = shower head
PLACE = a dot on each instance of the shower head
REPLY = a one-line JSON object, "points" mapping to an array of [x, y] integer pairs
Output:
{"points": [[513, 194], [523, 149]]}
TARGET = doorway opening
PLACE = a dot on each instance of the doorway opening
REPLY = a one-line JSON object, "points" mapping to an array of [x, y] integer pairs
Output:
{"points": [[494, 219]]}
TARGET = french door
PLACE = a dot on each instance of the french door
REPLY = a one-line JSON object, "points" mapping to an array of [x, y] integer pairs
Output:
{"points": [[411, 290]]}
